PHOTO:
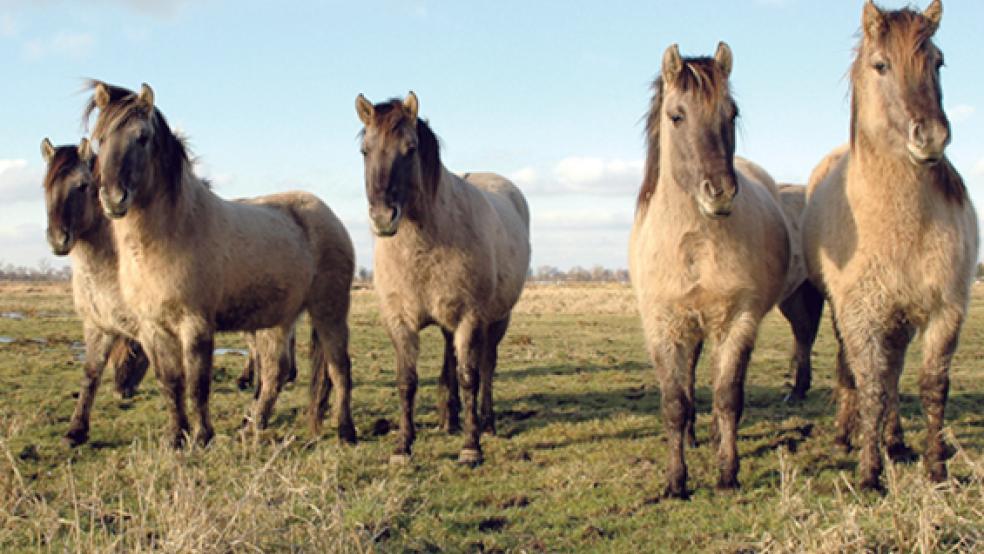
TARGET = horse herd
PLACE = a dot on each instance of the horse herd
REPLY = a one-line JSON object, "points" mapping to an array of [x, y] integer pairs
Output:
{"points": [[884, 231]]}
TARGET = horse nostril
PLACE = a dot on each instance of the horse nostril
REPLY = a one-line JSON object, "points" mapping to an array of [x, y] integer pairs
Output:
{"points": [[916, 134], [710, 190]]}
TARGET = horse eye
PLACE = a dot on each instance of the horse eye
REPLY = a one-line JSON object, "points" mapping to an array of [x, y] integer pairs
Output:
{"points": [[364, 151], [880, 67], [676, 118], [411, 149], [84, 187]]}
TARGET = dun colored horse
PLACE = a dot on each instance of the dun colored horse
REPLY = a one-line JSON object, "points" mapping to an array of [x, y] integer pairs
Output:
{"points": [[192, 264], [76, 227], [451, 251], [891, 237], [708, 253]]}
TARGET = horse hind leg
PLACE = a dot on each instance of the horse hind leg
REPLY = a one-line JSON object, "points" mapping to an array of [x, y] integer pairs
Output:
{"points": [[246, 378], [847, 396], [494, 335], [691, 379], [895, 446], [332, 336], [97, 351], [469, 340], [272, 367], [448, 399], [803, 309]]}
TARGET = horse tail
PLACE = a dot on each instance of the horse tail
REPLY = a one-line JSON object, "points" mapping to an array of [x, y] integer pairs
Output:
{"points": [[320, 383], [129, 363]]}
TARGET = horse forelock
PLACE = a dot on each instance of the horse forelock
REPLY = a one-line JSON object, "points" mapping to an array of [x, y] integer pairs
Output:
{"points": [[389, 117], [701, 76], [64, 161], [171, 152]]}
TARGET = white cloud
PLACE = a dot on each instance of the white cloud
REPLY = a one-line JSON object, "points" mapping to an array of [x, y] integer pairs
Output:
{"points": [[583, 219], [71, 45], [583, 175], [19, 182], [7, 26], [961, 113]]}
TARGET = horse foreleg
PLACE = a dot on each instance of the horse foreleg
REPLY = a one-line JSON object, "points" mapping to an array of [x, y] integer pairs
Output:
{"points": [[939, 344], [732, 356], [129, 364], [164, 352], [197, 348], [469, 340], [97, 349], [671, 364], [448, 399], [407, 344]]}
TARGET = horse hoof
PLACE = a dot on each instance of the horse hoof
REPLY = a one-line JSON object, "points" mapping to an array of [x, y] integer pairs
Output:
{"points": [[128, 393], [204, 437], [873, 484], [843, 445], [489, 429], [75, 437], [470, 456], [676, 492], [901, 453], [727, 484], [936, 472], [399, 459], [346, 434], [243, 384]]}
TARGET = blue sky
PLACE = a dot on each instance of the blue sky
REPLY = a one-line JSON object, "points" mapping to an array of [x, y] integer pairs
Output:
{"points": [[548, 93]]}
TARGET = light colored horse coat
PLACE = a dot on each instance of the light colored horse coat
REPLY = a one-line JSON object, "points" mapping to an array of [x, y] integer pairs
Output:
{"points": [[708, 253], [452, 251], [891, 236], [192, 264], [76, 227]]}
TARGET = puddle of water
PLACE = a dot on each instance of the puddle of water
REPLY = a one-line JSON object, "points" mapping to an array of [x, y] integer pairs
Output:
{"points": [[231, 352], [12, 315], [7, 340], [39, 340], [77, 346]]}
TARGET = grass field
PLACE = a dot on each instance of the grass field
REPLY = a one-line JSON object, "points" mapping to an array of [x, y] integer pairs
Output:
{"points": [[577, 464]]}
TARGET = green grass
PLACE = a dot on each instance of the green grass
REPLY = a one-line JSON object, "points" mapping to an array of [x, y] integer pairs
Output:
{"points": [[577, 464]]}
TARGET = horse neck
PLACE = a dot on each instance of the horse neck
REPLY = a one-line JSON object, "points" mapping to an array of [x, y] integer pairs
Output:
{"points": [[671, 203], [163, 217], [95, 250], [890, 179], [432, 214]]}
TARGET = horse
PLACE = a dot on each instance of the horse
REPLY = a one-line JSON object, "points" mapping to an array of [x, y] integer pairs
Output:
{"points": [[708, 253], [192, 264], [450, 251], [803, 308], [891, 237], [77, 228]]}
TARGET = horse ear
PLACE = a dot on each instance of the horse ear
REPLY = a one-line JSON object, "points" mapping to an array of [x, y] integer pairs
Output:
{"points": [[873, 21], [672, 63], [85, 151], [724, 58], [47, 150], [411, 105], [101, 96], [364, 108], [934, 13], [146, 96]]}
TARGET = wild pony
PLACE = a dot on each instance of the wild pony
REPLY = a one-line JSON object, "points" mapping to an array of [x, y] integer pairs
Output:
{"points": [[77, 227], [248, 375], [192, 264], [891, 236], [708, 252], [451, 251]]}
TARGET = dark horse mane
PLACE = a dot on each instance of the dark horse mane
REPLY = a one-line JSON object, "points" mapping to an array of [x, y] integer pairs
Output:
{"points": [[171, 152], [701, 74], [64, 160], [389, 116], [904, 33]]}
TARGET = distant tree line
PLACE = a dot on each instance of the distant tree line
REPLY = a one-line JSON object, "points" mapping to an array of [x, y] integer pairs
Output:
{"points": [[41, 272]]}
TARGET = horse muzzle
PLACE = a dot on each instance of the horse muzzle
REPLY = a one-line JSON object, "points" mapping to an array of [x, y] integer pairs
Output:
{"points": [[385, 220], [114, 205], [61, 241], [715, 201], [927, 142]]}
